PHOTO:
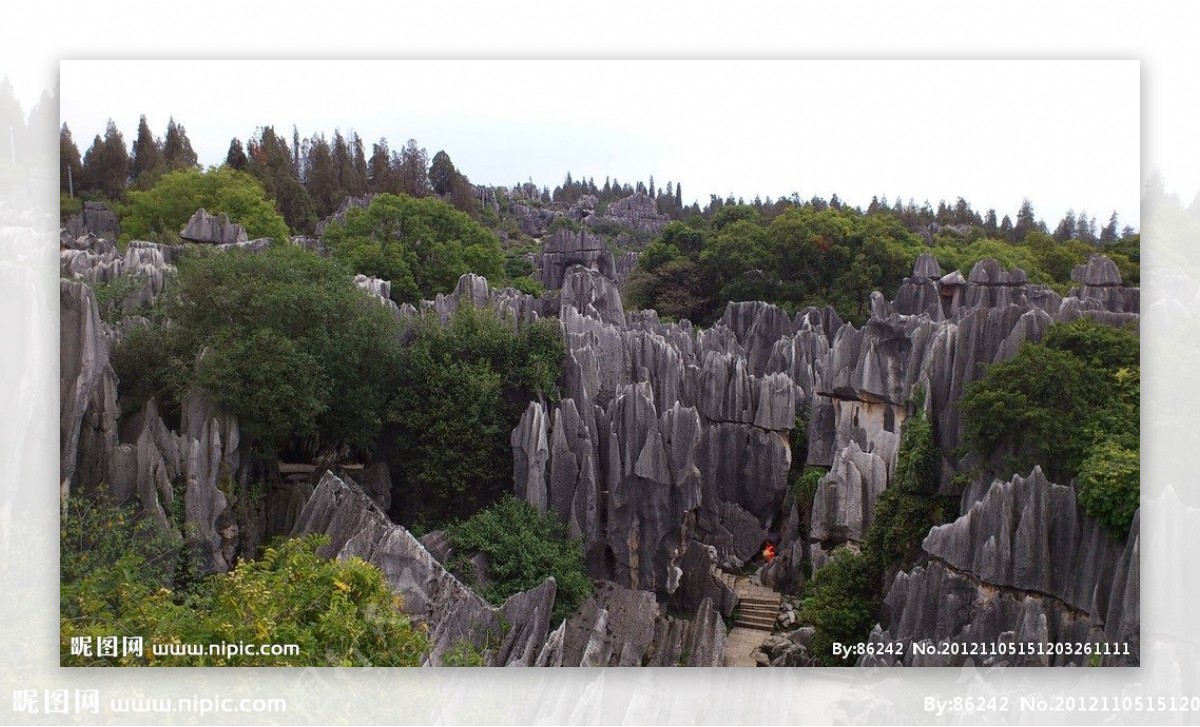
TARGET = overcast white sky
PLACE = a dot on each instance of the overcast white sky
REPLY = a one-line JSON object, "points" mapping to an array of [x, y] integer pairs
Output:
{"points": [[1065, 133]]}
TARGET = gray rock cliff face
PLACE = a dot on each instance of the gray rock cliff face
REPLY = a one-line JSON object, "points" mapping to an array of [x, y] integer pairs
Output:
{"points": [[565, 249], [639, 212], [95, 219], [216, 229], [87, 392], [1025, 563]]}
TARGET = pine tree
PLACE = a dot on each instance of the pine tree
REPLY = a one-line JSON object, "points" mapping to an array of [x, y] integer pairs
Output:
{"points": [[1026, 221], [177, 150], [413, 170], [146, 160], [70, 165], [380, 178], [1085, 228], [106, 164], [236, 157], [1109, 233], [321, 176], [1067, 228], [442, 173]]}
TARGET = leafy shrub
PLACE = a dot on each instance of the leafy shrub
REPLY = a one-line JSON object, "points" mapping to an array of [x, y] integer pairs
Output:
{"points": [[165, 208], [1109, 488], [290, 345], [460, 390], [523, 546], [422, 245], [804, 486], [527, 285], [1070, 404], [339, 613], [841, 602]]}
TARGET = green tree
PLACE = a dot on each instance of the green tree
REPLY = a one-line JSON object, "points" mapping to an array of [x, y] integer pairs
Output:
{"points": [[164, 209], [106, 164], [236, 156], [1070, 404], [423, 246], [70, 165], [522, 546], [464, 383], [282, 339], [1109, 486], [841, 602], [338, 613], [177, 150], [146, 160]]}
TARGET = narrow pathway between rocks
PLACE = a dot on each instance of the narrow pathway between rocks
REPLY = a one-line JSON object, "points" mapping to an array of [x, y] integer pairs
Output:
{"points": [[757, 609]]}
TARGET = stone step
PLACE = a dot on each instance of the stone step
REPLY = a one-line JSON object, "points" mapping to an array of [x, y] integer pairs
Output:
{"points": [[756, 624], [764, 600]]}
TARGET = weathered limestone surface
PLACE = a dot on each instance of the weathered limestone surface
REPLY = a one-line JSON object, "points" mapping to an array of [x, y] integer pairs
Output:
{"points": [[565, 249], [95, 219], [1025, 563], [87, 391], [217, 229], [639, 212]]}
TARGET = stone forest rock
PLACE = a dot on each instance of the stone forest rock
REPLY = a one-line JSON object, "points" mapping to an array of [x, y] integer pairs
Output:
{"points": [[669, 455], [1025, 563], [216, 229]]}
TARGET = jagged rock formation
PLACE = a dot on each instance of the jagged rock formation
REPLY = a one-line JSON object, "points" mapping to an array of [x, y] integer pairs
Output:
{"points": [[747, 378], [1025, 563], [454, 614], [614, 627], [95, 219], [668, 455], [638, 212], [203, 227], [339, 215], [565, 249], [87, 392]]}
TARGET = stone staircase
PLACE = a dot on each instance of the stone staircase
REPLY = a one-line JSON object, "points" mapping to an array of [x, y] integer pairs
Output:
{"points": [[754, 619]]}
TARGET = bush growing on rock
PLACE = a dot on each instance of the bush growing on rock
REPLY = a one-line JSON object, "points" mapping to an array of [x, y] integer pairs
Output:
{"points": [[1071, 405], [422, 245], [281, 338], [841, 601], [522, 547], [159, 213], [460, 390], [339, 613]]}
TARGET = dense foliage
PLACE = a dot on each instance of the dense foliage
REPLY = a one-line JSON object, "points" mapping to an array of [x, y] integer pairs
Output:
{"points": [[116, 582], [162, 211], [842, 603], [460, 391], [1071, 405], [843, 599], [422, 245], [281, 338], [522, 547]]}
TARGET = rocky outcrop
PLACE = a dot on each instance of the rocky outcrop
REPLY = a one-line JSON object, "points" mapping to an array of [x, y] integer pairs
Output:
{"points": [[638, 212], [97, 261], [1025, 563], [621, 627], [215, 229], [94, 219], [87, 392], [565, 249], [339, 215]]}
